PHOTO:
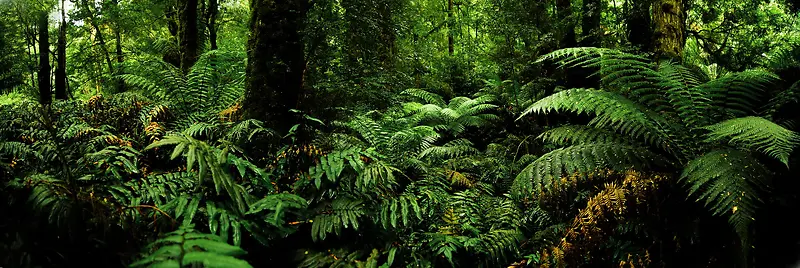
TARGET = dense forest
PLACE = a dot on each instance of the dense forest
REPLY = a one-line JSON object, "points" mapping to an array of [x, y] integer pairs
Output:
{"points": [[399, 133]]}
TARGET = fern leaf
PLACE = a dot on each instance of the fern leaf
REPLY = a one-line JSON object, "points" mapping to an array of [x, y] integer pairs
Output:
{"points": [[756, 133], [545, 173], [728, 181]]}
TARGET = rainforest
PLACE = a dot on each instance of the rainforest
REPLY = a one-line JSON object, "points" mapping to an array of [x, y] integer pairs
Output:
{"points": [[399, 133]]}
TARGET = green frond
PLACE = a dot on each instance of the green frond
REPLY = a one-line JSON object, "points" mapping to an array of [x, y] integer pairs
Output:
{"points": [[278, 205], [616, 69], [729, 182], [247, 129], [740, 94], [209, 160], [691, 103], [340, 214], [756, 133], [497, 244], [428, 97], [452, 149], [186, 248], [576, 134], [612, 111], [50, 198], [546, 173], [399, 210]]}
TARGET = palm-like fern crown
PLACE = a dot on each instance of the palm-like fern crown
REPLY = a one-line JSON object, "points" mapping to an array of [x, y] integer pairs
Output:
{"points": [[652, 115], [214, 83], [453, 117]]}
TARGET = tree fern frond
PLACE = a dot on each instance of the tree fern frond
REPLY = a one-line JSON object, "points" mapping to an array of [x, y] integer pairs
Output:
{"points": [[451, 149], [399, 210], [728, 181], [612, 110], [756, 133], [430, 98], [545, 174], [740, 94], [186, 248], [576, 134]]}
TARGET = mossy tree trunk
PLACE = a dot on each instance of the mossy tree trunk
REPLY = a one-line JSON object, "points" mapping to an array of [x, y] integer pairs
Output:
{"points": [[276, 61], [213, 11], [118, 36], [188, 33], [61, 52], [45, 95], [669, 36], [451, 43]]}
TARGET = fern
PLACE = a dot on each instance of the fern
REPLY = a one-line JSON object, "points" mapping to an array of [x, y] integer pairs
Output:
{"points": [[728, 181], [209, 160], [665, 108], [186, 248], [342, 213], [612, 111], [575, 135], [756, 133], [399, 210], [546, 173]]}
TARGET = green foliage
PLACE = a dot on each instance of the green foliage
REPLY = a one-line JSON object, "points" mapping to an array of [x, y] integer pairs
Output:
{"points": [[674, 108], [729, 182], [757, 134], [186, 248]]}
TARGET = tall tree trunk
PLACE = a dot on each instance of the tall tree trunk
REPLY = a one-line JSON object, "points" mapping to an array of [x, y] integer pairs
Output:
{"points": [[451, 47], [187, 33], [640, 28], [592, 34], [100, 39], [61, 69], [276, 61], [118, 37], [213, 10], [45, 95], [669, 37], [388, 37], [567, 24]]}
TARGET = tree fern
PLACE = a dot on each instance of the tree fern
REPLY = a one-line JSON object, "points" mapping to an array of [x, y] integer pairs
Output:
{"points": [[666, 108]]}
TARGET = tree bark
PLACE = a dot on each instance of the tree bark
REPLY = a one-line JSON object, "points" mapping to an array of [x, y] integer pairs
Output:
{"points": [[61, 69], [640, 30], [213, 10], [187, 33], [451, 47], [276, 61], [592, 34], [669, 37], [567, 23], [45, 95]]}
